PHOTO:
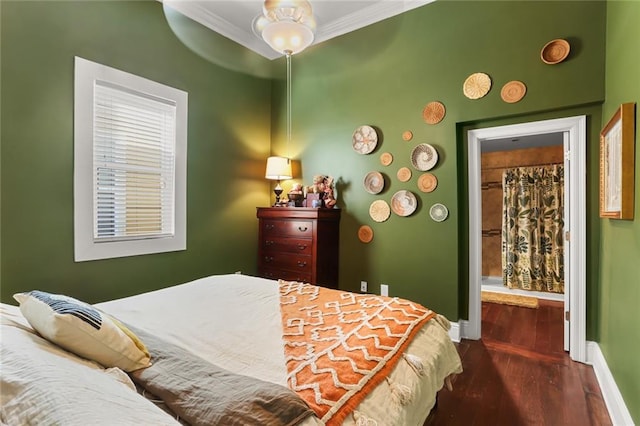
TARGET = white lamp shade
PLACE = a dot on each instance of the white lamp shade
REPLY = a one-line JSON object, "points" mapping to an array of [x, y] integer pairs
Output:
{"points": [[278, 168], [287, 36]]}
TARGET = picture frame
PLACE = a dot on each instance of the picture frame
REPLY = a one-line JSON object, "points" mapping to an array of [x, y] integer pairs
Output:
{"points": [[617, 164]]}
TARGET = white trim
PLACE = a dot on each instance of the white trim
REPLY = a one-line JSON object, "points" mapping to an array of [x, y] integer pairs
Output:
{"points": [[454, 332], [202, 12], [576, 153], [85, 246], [376, 12], [494, 285], [618, 411]]}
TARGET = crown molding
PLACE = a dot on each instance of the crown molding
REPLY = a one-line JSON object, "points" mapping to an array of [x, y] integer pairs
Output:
{"points": [[377, 11], [197, 11]]}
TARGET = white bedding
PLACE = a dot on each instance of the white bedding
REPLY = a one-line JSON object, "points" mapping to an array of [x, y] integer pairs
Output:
{"points": [[42, 384], [230, 320], [233, 321]]}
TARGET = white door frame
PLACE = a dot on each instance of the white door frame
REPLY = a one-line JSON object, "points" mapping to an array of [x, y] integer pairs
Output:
{"points": [[575, 153]]}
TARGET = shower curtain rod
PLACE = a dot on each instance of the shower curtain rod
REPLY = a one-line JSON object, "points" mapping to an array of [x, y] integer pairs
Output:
{"points": [[523, 165]]}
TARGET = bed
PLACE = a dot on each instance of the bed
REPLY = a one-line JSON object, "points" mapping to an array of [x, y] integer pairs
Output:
{"points": [[351, 359]]}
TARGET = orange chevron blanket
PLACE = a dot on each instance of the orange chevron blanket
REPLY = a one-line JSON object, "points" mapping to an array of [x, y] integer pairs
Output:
{"points": [[340, 345]]}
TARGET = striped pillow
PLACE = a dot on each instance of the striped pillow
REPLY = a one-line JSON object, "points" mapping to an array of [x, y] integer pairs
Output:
{"points": [[82, 329]]}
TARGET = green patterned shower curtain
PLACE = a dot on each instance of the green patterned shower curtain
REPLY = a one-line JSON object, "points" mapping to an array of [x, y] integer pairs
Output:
{"points": [[532, 228]]}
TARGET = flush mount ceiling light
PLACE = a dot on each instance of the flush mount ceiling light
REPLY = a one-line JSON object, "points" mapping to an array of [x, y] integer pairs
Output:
{"points": [[286, 25]]}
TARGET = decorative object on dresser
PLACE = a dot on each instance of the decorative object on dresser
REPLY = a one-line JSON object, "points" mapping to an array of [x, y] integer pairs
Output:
{"points": [[278, 168], [300, 244], [323, 185], [296, 195]]}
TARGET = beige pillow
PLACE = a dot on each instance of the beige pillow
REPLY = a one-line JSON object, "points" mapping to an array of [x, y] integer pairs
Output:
{"points": [[82, 329]]}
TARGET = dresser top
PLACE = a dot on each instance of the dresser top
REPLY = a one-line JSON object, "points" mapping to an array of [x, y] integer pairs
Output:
{"points": [[298, 213]]}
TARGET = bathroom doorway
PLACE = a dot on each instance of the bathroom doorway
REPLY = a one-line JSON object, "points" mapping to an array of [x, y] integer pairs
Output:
{"points": [[573, 133], [523, 227]]}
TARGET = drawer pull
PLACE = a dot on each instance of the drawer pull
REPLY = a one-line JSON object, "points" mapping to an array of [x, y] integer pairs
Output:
{"points": [[269, 226], [302, 246], [269, 242], [302, 264], [302, 228], [268, 259]]}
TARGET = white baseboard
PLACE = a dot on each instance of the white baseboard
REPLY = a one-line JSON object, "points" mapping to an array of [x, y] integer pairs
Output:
{"points": [[618, 410], [454, 332]]}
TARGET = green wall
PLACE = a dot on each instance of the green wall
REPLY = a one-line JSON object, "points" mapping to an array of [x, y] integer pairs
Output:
{"points": [[383, 75], [228, 140], [620, 248]]}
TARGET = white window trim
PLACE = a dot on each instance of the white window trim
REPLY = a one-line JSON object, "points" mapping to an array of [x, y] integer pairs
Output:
{"points": [[86, 73]]}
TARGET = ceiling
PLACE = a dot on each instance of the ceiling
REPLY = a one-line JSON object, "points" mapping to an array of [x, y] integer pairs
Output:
{"points": [[234, 18]]}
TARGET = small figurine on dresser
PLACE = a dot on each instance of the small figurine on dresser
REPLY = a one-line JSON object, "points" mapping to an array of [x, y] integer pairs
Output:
{"points": [[296, 195], [324, 187]]}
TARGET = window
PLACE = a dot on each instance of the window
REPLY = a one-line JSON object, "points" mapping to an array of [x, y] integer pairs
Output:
{"points": [[130, 164]]}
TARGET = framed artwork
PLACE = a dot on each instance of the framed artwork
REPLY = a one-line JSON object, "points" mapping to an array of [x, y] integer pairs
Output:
{"points": [[617, 164]]}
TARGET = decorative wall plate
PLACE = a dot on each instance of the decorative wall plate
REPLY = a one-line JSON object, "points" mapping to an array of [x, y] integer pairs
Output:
{"points": [[365, 234], [404, 174], [555, 51], [434, 112], [379, 211], [373, 182], [513, 91], [476, 85], [427, 182], [386, 158], [424, 157], [365, 139], [438, 212], [407, 135], [404, 203]]}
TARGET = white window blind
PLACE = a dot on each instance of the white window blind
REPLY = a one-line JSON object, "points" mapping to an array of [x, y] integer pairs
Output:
{"points": [[130, 164], [134, 151]]}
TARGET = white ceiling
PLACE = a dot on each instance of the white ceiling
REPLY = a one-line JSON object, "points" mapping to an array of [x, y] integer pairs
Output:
{"points": [[233, 18]]}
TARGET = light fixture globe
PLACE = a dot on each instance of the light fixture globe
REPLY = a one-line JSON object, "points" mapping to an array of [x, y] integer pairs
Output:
{"points": [[287, 36], [287, 26]]}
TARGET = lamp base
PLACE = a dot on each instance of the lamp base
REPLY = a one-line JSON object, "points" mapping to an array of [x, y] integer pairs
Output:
{"points": [[278, 191]]}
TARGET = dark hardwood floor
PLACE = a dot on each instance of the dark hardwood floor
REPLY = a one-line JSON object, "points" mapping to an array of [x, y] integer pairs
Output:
{"points": [[519, 374]]}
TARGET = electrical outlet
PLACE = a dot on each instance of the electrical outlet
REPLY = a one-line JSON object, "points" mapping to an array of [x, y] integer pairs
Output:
{"points": [[363, 286], [384, 290]]}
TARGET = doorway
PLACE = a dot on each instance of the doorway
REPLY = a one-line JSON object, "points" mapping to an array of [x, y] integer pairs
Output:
{"points": [[534, 167], [573, 131]]}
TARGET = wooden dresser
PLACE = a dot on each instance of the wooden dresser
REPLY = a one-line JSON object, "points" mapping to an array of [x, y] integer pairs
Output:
{"points": [[299, 244]]}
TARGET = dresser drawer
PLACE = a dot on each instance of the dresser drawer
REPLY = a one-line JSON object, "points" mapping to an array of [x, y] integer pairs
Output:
{"points": [[276, 274], [287, 245], [286, 261], [290, 228]]}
